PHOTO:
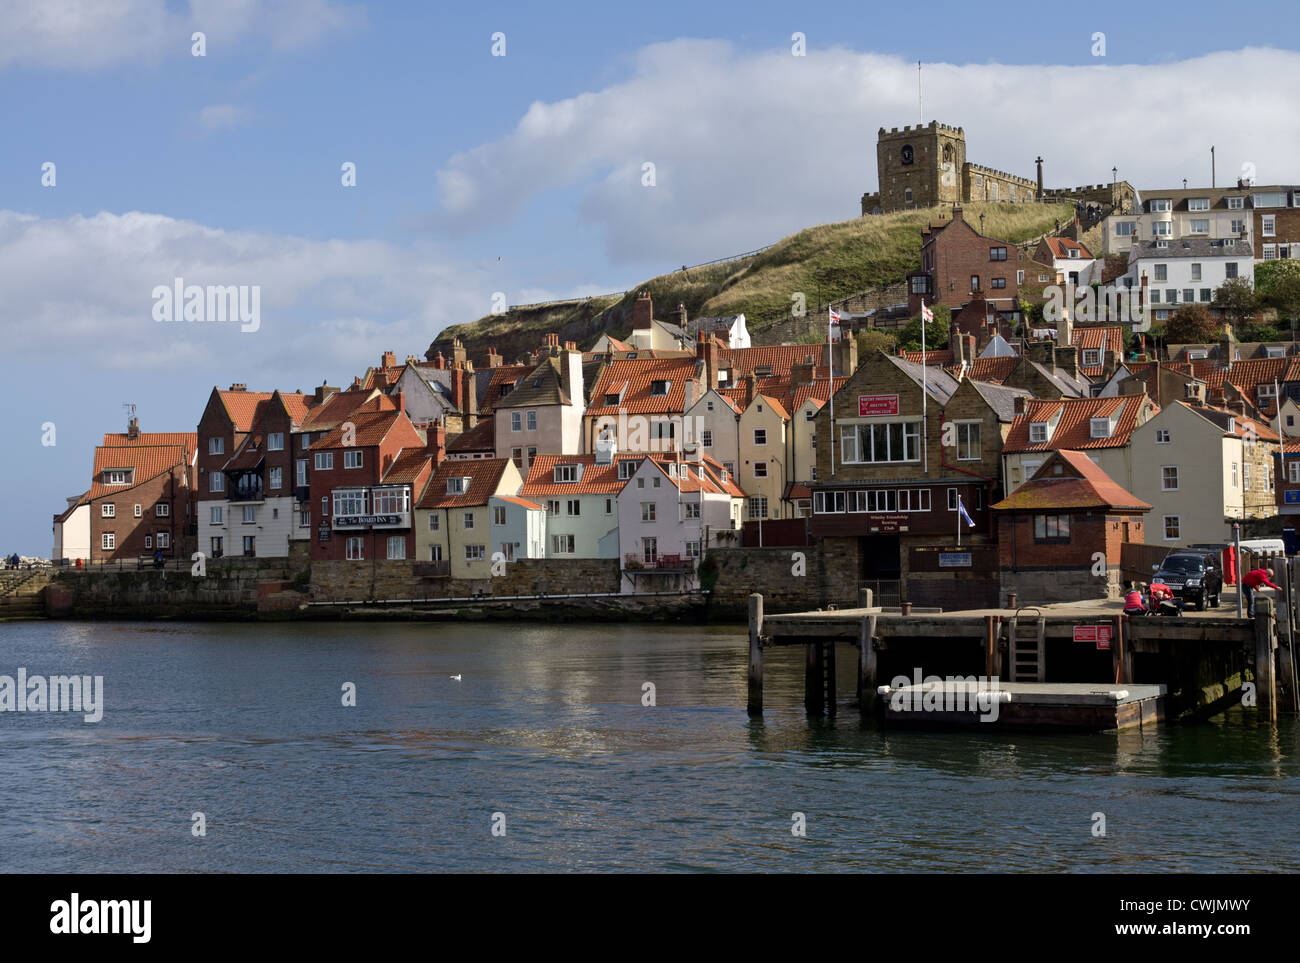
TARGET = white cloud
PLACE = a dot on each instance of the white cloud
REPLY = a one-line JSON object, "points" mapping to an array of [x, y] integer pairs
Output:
{"points": [[218, 117], [80, 289], [750, 147], [93, 34]]}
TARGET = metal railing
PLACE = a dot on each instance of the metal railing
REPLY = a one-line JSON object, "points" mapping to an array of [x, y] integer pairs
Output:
{"points": [[885, 592]]}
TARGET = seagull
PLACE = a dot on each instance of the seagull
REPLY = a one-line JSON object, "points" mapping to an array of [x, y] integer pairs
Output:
{"points": [[455, 678]]}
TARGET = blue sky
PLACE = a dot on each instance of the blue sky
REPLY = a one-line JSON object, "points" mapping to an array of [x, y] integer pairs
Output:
{"points": [[519, 174]]}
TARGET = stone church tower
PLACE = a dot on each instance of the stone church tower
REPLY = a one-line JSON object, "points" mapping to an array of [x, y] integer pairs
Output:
{"points": [[918, 167]]}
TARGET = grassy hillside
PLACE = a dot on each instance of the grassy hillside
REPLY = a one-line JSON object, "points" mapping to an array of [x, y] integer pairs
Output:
{"points": [[849, 257]]}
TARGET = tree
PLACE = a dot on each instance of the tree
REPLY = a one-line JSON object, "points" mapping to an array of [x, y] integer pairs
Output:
{"points": [[936, 332], [1277, 284], [871, 340], [1191, 324], [1236, 299]]}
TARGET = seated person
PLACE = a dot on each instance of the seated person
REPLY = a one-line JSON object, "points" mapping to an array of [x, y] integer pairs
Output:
{"points": [[1133, 602]]}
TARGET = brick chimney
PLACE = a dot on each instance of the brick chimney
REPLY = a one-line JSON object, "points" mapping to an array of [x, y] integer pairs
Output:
{"points": [[801, 374], [1022, 404], [643, 311], [494, 359], [440, 362], [1227, 345], [1110, 365], [464, 396], [238, 387], [388, 360], [323, 392], [401, 402], [707, 351], [435, 442], [457, 353], [133, 428], [678, 316], [1066, 358], [750, 390]]}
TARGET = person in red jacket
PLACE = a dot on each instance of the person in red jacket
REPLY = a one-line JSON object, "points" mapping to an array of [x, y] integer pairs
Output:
{"points": [[1133, 604], [1251, 583]]}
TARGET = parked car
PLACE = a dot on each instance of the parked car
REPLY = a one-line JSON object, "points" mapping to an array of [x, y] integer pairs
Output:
{"points": [[1194, 576]]}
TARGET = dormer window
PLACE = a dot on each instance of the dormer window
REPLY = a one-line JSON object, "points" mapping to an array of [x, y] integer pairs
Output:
{"points": [[566, 473], [1161, 204], [1073, 252], [1265, 393], [1198, 355], [1099, 427], [659, 387], [626, 469], [458, 485], [1038, 431], [611, 399], [117, 476], [1091, 356], [763, 371], [1198, 203]]}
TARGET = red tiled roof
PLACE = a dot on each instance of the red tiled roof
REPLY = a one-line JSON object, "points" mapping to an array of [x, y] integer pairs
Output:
{"points": [[1073, 429], [339, 406], [241, 406], [595, 479], [776, 406], [1083, 485], [780, 358], [187, 439], [994, 370], [370, 428], [1101, 337], [932, 356], [484, 472], [407, 467], [633, 380], [1247, 375], [819, 390], [1061, 247], [504, 378], [521, 502], [149, 461]]}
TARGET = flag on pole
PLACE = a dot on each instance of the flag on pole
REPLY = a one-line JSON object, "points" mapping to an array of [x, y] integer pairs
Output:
{"points": [[926, 314], [835, 316], [965, 515]]}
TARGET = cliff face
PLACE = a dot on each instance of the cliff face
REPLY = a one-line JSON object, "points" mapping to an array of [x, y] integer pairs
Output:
{"points": [[793, 279]]}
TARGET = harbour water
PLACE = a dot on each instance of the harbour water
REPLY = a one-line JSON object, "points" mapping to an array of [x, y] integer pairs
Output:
{"points": [[245, 724]]}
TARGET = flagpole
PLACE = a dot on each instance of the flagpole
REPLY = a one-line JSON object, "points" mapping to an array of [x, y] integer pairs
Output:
{"points": [[959, 521], [925, 424], [830, 385]]}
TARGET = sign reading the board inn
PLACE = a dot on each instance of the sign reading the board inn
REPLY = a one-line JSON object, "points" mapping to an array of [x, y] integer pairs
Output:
{"points": [[359, 521], [869, 405]]}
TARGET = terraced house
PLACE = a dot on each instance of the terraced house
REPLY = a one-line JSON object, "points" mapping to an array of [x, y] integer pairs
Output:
{"points": [[140, 497], [911, 444], [669, 511], [365, 477], [579, 494], [245, 498], [454, 523], [543, 413]]}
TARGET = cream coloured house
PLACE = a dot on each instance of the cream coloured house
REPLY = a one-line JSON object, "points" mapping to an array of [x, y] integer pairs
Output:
{"points": [[453, 518]]}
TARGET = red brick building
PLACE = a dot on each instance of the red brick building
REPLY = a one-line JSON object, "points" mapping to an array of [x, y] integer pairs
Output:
{"points": [[1057, 529], [141, 495], [958, 263], [366, 475]]}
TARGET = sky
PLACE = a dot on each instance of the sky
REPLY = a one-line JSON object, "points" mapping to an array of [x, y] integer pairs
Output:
{"points": [[500, 150]]}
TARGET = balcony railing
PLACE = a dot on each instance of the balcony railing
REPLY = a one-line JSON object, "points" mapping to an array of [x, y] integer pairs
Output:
{"points": [[660, 563]]}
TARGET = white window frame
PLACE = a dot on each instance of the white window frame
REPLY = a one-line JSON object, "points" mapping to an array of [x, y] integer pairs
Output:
{"points": [[1164, 478]]}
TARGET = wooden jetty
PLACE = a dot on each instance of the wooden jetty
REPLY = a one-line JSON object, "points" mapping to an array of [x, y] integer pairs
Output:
{"points": [[1061, 705], [1062, 664]]}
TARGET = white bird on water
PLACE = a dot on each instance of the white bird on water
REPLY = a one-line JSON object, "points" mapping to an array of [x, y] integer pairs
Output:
{"points": [[455, 678]]}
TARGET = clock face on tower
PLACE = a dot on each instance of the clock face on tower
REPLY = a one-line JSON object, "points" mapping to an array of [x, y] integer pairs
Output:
{"points": [[907, 153]]}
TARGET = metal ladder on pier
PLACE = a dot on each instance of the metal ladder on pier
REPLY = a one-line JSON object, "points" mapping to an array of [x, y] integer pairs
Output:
{"points": [[1027, 650]]}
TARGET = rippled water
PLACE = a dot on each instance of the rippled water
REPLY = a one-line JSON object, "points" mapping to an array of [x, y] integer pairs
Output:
{"points": [[244, 723]]}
